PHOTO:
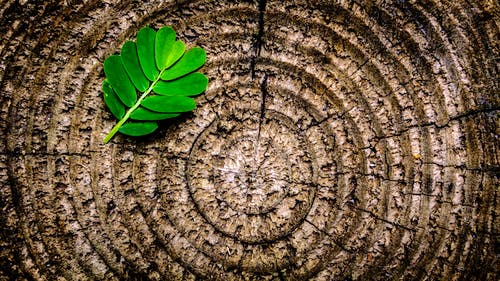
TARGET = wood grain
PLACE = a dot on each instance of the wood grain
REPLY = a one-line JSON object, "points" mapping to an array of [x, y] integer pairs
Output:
{"points": [[337, 140]]}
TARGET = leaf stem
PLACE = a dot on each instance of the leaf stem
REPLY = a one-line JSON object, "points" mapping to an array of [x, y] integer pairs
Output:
{"points": [[118, 125]]}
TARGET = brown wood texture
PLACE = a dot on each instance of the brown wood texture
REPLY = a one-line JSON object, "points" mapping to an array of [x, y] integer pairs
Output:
{"points": [[337, 140]]}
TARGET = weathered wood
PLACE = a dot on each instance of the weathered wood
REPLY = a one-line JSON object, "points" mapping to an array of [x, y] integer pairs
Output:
{"points": [[337, 140]]}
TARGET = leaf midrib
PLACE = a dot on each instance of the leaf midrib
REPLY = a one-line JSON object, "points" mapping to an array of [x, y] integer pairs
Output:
{"points": [[118, 125]]}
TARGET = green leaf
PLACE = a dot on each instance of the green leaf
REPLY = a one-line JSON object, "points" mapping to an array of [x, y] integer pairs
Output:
{"points": [[143, 114], [139, 69], [169, 104], [176, 53], [189, 85], [191, 61], [165, 39], [112, 101], [138, 129], [130, 61], [146, 52], [118, 78]]}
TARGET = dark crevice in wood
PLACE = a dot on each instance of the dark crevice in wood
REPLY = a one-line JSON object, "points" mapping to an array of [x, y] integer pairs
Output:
{"points": [[263, 89], [258, 38]]}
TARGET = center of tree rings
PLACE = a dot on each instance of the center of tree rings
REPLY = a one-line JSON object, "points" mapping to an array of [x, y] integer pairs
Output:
{"points": [[252, 179]]}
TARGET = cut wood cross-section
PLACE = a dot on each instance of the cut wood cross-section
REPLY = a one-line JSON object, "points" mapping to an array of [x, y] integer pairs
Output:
{"points": [[336, 140]]}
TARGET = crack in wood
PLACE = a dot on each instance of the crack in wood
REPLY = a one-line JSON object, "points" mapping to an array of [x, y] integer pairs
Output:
{"points": [[329, 235], [373, 215], [258, 38], [263, 89]]}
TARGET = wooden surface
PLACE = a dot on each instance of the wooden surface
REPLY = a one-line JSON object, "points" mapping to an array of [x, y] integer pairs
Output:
{"points": [[337, 140]]}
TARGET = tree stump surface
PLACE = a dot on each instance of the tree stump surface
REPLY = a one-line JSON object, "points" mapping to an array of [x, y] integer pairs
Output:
{"points": [[337, 140]]}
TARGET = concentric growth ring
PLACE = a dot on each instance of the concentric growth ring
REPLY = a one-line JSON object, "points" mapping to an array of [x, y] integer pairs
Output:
{"points": [[251, 172], [337, 140]]}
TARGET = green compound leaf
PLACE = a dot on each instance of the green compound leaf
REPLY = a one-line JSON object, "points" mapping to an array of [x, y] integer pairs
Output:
{"points": [[138, 129], [159, 69]]}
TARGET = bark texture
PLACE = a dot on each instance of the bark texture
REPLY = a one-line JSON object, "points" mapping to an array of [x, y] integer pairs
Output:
{"points": [[337, 140]]}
